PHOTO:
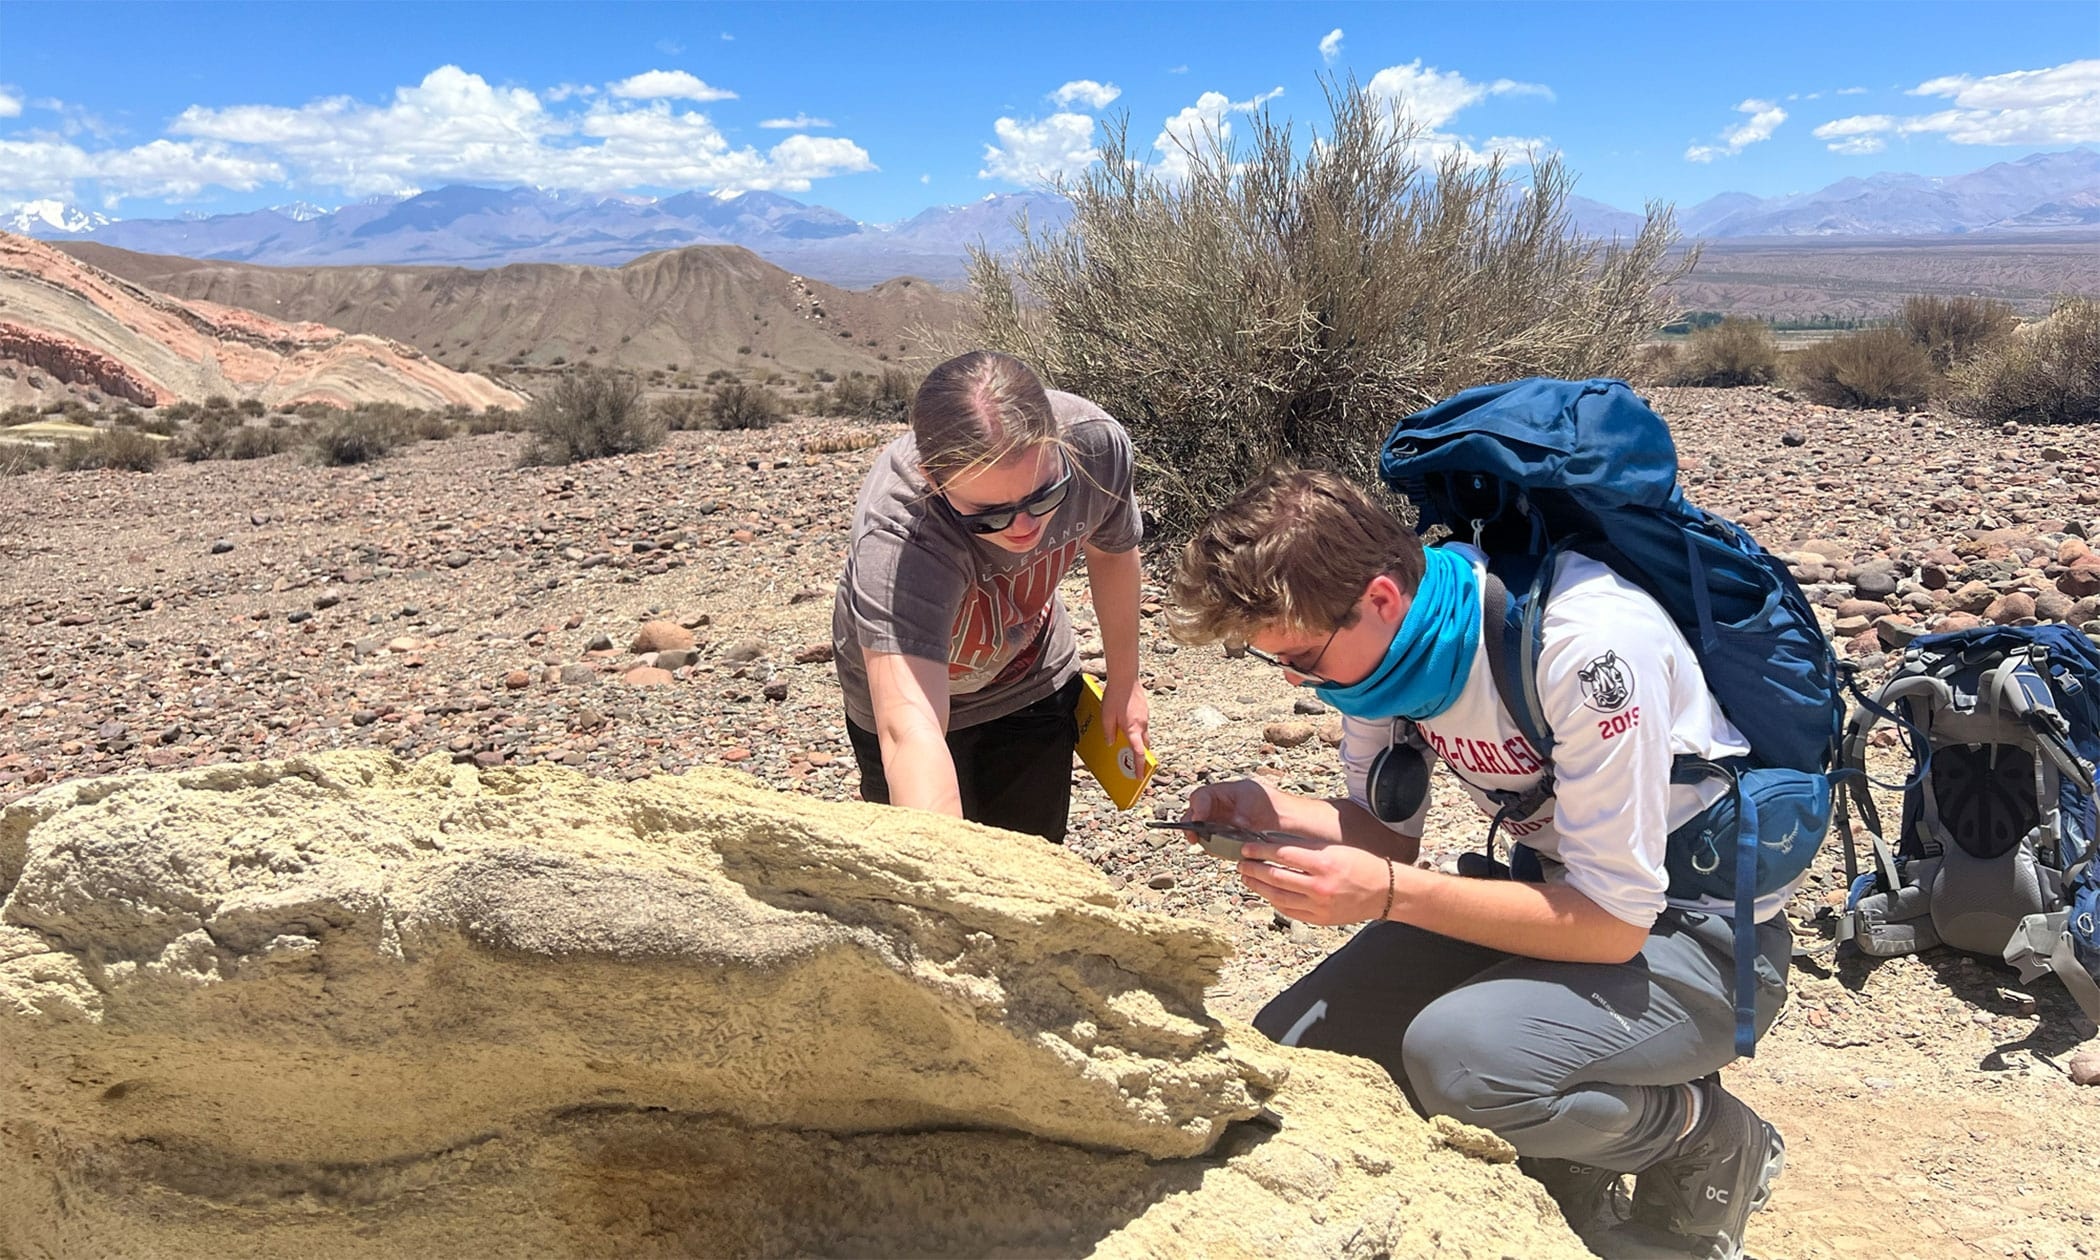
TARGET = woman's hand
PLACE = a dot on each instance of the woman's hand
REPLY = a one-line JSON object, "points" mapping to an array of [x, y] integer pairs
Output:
{"points": [[1316, 882]]}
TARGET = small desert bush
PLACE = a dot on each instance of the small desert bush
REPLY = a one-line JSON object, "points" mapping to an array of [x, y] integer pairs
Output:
{"points": [[431, 426], [1879, 367], [740, 406], [1952, 329], [358, 437], [256, 441], [590, 414], [494, 419], [1654, 363], [1284, 300], [20, 413], [125, 449], [681, 412], [181, 410], [17, 458], [251, 407], [1731, 353], [2047, 373]]}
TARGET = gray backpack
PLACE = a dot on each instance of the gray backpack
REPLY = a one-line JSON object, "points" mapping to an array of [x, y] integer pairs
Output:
{"points": [[1997, 853]]}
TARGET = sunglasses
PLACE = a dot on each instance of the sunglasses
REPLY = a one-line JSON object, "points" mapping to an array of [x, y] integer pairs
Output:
{"points": [[1308, 675], [997, 520]]}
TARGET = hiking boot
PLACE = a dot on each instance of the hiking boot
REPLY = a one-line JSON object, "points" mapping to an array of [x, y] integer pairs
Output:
{"points": [[1592, 1198], [1696, 1200]]}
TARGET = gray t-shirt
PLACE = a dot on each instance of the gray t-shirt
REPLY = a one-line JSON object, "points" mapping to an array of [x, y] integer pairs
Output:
{"points": [[919, 584]]}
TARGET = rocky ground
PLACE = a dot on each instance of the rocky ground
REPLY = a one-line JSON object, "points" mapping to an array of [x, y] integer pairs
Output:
{"points": [[444, 599]]}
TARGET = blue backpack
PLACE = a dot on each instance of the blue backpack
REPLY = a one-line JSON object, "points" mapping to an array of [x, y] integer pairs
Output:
{"points": [[1999, 847], [1530, 468]]}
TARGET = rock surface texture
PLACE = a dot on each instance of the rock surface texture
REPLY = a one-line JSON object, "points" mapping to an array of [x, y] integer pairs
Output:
{"points": [[340, 1005], [63, 320]]}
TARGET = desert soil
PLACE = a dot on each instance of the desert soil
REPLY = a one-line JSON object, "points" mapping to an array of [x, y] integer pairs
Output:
{"points": [[444, 600]]}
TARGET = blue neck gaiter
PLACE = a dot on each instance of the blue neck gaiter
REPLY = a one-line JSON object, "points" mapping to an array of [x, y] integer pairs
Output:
{"points": [[1431, 655]]}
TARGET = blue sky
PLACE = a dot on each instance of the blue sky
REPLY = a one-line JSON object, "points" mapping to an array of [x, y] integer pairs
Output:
{"points": [[880, 110]]}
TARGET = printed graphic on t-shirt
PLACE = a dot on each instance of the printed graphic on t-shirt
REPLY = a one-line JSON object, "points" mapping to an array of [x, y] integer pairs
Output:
{"points": [[1607, 684], [998, 632]]}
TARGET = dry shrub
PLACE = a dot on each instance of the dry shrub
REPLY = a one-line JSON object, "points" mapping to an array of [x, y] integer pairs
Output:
{"points": [[125, 449], [494, 419], [17, 458], [682, 412], [1731, 353], [589, 414], [1291, 301], [1880, 367], [1952, 329], [1654, 363], [358, 437], [2048, 373], [741, 406], [256, 442]]}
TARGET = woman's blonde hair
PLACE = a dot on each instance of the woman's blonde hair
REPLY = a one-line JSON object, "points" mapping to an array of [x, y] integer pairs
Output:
{"points": [[976, 409], [1294, 549]]}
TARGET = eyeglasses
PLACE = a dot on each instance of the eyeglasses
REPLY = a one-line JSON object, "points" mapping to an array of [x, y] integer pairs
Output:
{"points": [[1308, 674], [997, 520]]}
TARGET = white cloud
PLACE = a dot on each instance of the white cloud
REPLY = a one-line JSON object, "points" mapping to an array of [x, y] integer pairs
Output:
{"points": [[925, 179], [796, 123], [1177, 69], [564, 91], [668, 85], [1094, 95], [669, 47], [1765, 117], [1331, 45], [2057, 105], [1431, 98], [1198, 127], [728, 38], [30, 169], [1851, 91], [10, 104], [1858, 146], [1040, 151], [452, 127]]}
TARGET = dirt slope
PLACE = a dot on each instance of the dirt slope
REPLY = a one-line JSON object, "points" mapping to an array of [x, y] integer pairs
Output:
{"points": [[67, 327], [704, 307]]}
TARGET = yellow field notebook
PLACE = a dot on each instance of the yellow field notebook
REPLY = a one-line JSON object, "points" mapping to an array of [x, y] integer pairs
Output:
{"points": [[1114, 765]]}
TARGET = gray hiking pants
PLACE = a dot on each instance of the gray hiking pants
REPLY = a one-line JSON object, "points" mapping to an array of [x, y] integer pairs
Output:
{"points": [[1574, 1061]]}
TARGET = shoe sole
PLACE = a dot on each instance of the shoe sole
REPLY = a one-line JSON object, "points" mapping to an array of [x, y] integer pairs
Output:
{"points": [[1775, 1163]]}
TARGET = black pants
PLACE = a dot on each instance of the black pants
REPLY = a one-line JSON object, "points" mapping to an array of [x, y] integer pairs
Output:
{"points": [[1014, 771]]}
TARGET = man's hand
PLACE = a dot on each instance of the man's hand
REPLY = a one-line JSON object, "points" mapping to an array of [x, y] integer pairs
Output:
{"points": [[1317, 882], [1248, 803], [1127, 711]]}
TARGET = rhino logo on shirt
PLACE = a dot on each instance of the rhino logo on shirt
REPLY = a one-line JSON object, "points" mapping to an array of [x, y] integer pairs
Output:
{"points": [[1606, 685]]}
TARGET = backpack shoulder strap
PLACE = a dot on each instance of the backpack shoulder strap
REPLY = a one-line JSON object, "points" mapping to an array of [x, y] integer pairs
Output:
{"points": [[1513, 631]]}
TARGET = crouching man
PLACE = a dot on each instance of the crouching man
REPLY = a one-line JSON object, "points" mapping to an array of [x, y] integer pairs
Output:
{"points": [[1575, 1010]]}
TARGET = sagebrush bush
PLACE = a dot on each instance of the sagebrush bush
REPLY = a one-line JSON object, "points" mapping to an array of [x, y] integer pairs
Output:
{"points": [[125, 449], [1291, 301], [590, 414], [358, 437], [681, 412], [256, 442], [1731, 353], [2046, 373], [17, 458], [1654, 363], [1879, 367], [494, 419], [740, 406], [1951, 329]]}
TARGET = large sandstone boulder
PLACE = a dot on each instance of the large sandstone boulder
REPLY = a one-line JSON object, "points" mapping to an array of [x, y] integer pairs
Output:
{"points": [[338, 1006]]}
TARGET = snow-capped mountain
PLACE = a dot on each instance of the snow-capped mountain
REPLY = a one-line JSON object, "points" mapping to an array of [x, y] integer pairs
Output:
{"points": [[53, 218]]}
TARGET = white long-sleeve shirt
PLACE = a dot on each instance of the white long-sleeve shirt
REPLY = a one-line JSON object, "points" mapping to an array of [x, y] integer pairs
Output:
{"points": [[1624, 696]]}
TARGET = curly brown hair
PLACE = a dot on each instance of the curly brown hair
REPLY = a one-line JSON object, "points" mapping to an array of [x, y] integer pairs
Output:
{"points": [[1295, 548]]}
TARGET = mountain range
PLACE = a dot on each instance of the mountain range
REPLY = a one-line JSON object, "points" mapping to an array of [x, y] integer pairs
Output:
{"points": [[479, 227]]}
